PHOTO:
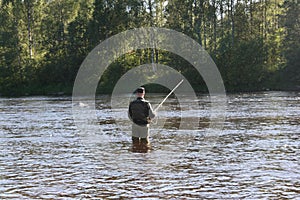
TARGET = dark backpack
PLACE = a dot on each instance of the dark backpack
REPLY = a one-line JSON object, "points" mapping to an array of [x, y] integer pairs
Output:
{"points": [[139, 111]]}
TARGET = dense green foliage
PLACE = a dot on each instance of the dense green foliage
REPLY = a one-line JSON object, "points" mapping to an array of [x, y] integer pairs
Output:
{"points": [[255, 43]]}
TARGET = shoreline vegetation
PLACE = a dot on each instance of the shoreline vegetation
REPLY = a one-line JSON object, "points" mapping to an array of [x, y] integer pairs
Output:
{"points": [[67, 91], [255, 44]]}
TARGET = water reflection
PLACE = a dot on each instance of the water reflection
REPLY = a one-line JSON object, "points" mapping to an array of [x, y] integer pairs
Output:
{"points": [[140, 147], [42, 155]]}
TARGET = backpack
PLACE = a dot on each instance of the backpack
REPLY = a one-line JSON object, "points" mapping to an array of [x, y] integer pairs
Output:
{"points": [[139, 111]]}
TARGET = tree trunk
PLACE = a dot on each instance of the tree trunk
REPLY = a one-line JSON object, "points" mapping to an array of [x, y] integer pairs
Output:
{"points": [[222, 19], [214, 26], [251, 16], [29, 10], [232, 22]]}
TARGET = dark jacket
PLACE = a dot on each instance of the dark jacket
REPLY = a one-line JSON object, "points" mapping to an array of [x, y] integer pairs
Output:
{"points": [[140, 111]]}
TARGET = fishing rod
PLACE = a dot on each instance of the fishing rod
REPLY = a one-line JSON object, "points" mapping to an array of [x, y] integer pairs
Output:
{"points": [[159, 105]]}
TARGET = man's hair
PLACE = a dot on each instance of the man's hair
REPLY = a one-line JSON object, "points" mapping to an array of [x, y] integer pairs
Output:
{"points": [[140, 90]]}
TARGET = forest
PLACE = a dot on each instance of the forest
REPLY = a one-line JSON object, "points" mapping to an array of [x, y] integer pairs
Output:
{"points": [[254, 43]]}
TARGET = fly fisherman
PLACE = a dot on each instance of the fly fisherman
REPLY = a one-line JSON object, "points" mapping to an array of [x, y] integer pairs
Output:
{"points": [[140, 113]]}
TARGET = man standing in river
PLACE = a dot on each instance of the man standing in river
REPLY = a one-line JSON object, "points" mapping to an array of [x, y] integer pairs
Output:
{"points": [[140, 113]]}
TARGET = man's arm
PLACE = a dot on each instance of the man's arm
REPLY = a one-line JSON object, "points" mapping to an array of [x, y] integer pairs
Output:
{"points": [[151, 112]]}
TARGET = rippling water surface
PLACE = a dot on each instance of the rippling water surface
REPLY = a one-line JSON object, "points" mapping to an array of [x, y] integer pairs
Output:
{"points": [[256, 156]]}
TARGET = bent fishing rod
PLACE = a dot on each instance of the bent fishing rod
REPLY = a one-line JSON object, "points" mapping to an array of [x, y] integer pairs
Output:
{"points": [[159, 105]]}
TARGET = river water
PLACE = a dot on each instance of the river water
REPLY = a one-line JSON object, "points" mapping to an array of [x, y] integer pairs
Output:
{"points": [[257, 155]]}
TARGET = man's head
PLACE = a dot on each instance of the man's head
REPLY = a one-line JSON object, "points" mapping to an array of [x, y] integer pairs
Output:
{"points": [[140, 92]]}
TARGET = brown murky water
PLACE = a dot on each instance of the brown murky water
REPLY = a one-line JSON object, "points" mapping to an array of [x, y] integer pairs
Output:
{"points": [[256, 156]]}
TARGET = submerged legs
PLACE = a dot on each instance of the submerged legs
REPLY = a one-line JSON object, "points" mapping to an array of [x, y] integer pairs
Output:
{"points": [[141, 145]]}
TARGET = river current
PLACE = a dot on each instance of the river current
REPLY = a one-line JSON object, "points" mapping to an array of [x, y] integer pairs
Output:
{"points": [[43, 155]]}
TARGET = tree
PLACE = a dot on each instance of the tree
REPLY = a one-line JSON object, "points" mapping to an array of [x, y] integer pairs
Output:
{"points": [[77, 40], [54, 28], [10, 58], [291, 73]]}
